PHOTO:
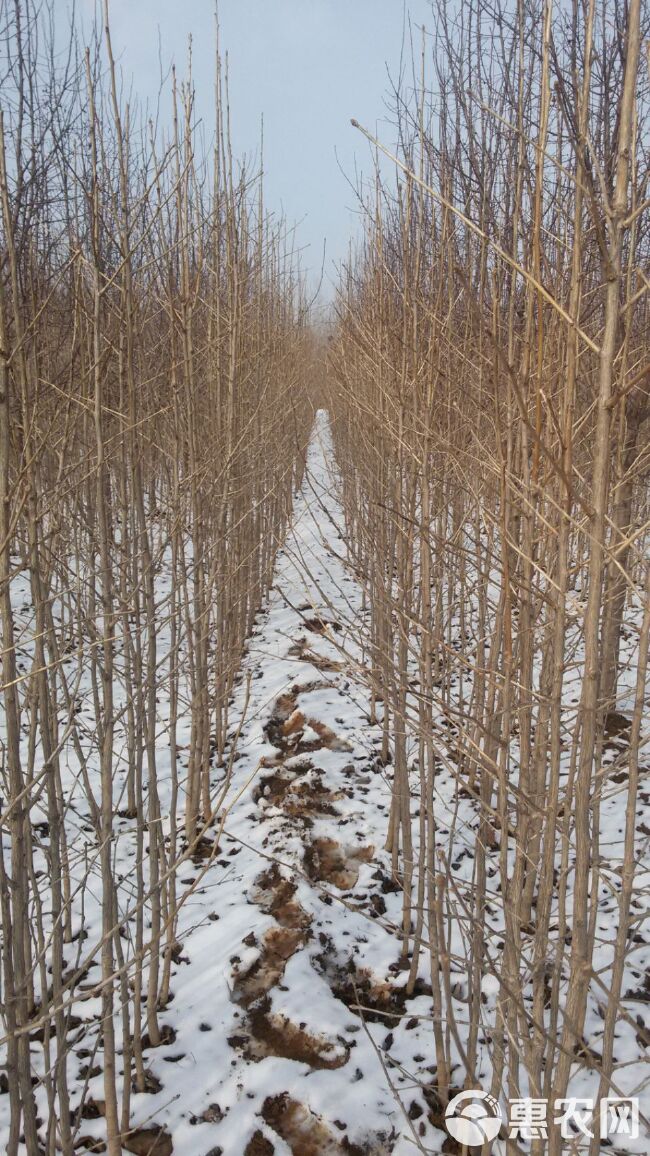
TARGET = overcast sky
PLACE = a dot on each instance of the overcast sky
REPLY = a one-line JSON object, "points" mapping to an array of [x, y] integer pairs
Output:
{"points": [[307, 65]]}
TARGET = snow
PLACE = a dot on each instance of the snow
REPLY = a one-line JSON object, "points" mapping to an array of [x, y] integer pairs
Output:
{"points": [[337, 801]]}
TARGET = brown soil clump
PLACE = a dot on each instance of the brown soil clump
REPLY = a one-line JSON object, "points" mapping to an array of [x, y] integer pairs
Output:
{"points": [[278, 946], [327, 861], [298, 791], [270, 1034], [319, 625], [375, 1000], [301, 651], [258, 1145], [148, 1142], [274, 895], [305, 1132]]}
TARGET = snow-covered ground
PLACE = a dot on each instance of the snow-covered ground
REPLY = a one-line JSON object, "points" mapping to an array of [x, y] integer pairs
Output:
{"points": [[291, 1033]]}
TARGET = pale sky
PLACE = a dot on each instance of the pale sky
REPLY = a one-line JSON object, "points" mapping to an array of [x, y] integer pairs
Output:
{"points": [[308, 66]]}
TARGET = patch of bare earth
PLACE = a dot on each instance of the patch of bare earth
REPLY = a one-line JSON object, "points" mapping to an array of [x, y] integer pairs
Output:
{"points": [[277, 947], [267, 1033], [297, 789], [274, 895], [258, 1145], [148, 1142], [376, 1000], [319, 625], [327, 861], [154, 1141], [301, 651], [295, 741], [308, 1135]]}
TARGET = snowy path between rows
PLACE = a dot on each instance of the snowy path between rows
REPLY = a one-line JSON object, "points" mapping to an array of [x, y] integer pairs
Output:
{"points": [[295, 921]]}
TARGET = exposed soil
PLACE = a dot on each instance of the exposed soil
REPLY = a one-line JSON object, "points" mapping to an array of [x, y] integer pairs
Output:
{"points": [[617, 724], [278, 945], [301, 651], [148, 1142], [275, 895], [204, 849], [327, 861], [362, 993], [306, 1133], [266, 1033], [319, 625], [258, 1145], [298, 789]]}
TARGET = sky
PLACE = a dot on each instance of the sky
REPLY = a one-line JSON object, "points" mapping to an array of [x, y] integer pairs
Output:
{"points": [[307, 66]]}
